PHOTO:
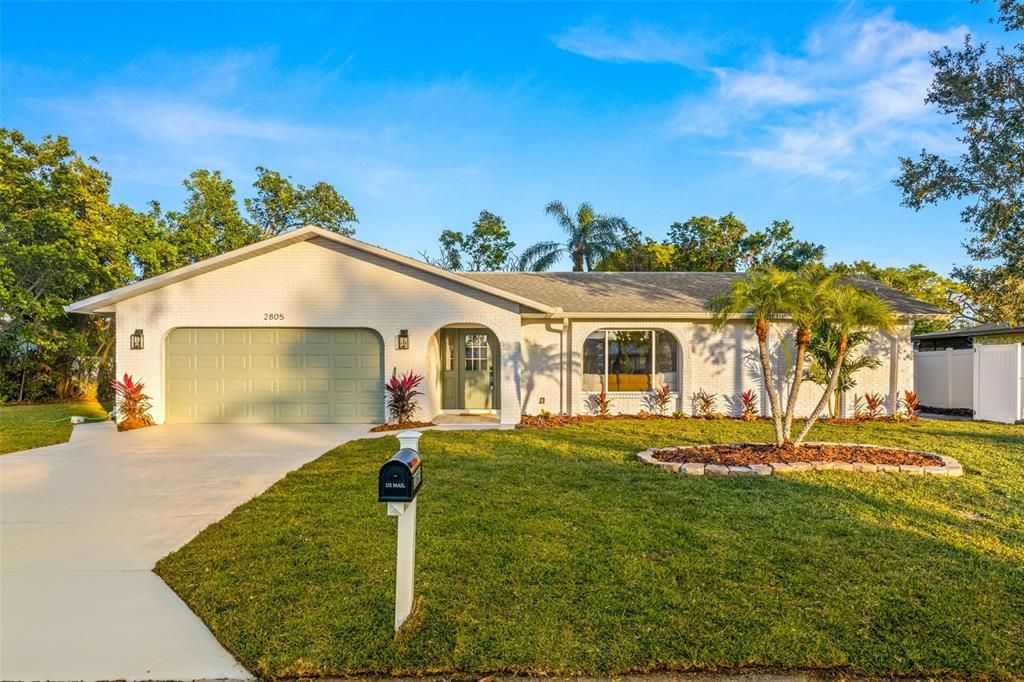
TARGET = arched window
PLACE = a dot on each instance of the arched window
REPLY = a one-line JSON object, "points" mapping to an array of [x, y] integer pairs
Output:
{"points": [[627, 361]]}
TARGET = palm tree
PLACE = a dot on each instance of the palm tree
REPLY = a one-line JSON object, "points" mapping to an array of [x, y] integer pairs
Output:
{"points": [[823, 352], [591, 237], [849, 310], [766, 295], [810, 289]]}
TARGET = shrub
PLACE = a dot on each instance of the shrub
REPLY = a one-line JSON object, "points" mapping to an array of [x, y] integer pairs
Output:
{"points": [[911, 404], [131, 409], [678, 414], [875, 404], [600, 404], [704, 404], [748, 405], [658, 399], [401, 393]]}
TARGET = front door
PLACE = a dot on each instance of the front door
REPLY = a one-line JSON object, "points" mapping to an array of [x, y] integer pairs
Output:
{"points": [[469, 368]]}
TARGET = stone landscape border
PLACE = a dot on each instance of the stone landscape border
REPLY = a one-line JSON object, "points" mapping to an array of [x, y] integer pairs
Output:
{"points": [[944, 466]]}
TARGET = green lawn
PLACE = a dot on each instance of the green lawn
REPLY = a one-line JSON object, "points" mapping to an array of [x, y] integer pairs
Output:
{"points": [[33, 426], [556, 552]]}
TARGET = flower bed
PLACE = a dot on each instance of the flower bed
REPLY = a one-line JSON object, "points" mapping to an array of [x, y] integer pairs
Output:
{"points": [[400, 427], [762, 459]]}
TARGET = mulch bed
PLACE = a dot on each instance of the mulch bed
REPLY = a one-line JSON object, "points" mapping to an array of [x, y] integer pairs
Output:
{"points": [[950, 411], [400, 427], [554, 420], [132, 423], [758, 453]]}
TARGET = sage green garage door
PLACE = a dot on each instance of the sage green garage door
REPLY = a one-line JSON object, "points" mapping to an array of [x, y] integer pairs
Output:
{"points": [[275, 375]]}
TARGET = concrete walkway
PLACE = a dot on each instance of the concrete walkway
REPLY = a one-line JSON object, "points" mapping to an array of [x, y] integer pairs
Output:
{"points": [[84, 522]]}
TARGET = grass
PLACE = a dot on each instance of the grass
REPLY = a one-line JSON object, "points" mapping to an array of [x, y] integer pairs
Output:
{"points": [[555, 552], [33, 426]]}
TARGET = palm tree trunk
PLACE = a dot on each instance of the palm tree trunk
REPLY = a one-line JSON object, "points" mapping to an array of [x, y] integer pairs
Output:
{"points": [[794, 390], [769, 380], [830, 390]]}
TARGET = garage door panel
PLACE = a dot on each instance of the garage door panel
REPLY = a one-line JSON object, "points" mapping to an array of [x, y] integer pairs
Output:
{"points": [[235, 361], [207, 361], [208, 386], [175, 361], [318, 337], [208, 337], [318, 361], [317, 386], [274, 375], [289, 386]]}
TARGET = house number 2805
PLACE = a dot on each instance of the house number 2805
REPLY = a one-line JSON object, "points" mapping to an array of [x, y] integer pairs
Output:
{"points": [[273, 316]]}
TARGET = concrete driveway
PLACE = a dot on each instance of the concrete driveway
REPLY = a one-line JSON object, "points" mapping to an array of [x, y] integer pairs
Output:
{"points": [[84, 522]]}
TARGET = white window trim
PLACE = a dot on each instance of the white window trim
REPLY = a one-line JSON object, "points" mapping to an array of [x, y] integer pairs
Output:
{"points": [[654, 361]]}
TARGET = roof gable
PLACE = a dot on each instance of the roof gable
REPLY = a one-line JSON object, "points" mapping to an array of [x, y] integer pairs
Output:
{"points": [[103, 302]]}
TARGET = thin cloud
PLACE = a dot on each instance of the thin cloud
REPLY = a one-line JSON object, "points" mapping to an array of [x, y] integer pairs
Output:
{"points": [[641, 43], [843, 106]]}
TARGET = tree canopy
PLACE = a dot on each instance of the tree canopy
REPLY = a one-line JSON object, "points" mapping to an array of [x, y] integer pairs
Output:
{"points": [[983, 91], [706, 244], [62, 239], [488, 246]]}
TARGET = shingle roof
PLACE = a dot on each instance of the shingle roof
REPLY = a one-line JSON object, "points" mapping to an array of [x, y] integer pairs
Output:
{"points": [[652, 292]]}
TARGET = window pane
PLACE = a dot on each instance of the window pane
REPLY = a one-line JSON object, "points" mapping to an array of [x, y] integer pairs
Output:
{"points": [[629, 361], [666, 363], [475, 353], [593, 362]]}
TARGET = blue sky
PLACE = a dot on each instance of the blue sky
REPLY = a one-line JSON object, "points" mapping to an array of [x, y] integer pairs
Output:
{"points": [[424, 114]]}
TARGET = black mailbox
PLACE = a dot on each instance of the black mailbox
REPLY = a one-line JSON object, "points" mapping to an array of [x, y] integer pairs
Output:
{"points": [[401, 477]]}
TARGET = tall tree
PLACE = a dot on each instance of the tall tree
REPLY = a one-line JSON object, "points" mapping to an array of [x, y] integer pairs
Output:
{"points": [[210, 223], [920, 282], [775, 246], [983, 91], [766, 296], [638, 253], [590, 236], [60, 240], [706, 244], [810, 290], [280, 206], [488, 246]]}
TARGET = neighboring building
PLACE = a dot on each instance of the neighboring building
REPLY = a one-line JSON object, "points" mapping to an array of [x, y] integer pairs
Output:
{"points": [[305, 327], [974, 371]]}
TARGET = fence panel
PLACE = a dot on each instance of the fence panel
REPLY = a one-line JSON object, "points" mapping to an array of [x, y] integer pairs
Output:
{"points": [[945, 378]]}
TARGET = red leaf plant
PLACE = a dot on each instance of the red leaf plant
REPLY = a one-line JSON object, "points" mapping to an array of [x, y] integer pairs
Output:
{"points": [[659, 399], [401, 394], [748, 403], [875, 403], [131, 405]]}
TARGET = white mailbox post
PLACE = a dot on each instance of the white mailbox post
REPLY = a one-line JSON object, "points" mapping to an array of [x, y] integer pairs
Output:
{"points": [[398, 483]]}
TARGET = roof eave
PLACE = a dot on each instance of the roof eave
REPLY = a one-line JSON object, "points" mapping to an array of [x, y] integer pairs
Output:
{"points": [[103, 302]]}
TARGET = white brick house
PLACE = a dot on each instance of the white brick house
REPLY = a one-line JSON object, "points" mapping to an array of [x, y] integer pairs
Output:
{"points": [[306, 327]]}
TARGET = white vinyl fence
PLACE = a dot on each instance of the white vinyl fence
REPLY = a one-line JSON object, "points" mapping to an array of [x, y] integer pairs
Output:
{"points": [[997, 391], [945, 378]]}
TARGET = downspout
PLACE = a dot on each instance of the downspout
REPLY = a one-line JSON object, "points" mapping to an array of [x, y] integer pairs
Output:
{"points": [[894, 372], [566, 391]]}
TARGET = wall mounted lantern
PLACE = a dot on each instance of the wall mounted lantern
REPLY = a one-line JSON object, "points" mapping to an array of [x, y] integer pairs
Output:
{"points": [[403, 340], [137, 341]]}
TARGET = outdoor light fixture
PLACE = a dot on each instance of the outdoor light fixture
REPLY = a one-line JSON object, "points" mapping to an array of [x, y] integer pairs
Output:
{"points": [[137, 342], [403, 339]]}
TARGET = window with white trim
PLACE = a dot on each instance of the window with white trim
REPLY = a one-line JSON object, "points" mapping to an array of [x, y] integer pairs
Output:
{"points": [[629, 361]]}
